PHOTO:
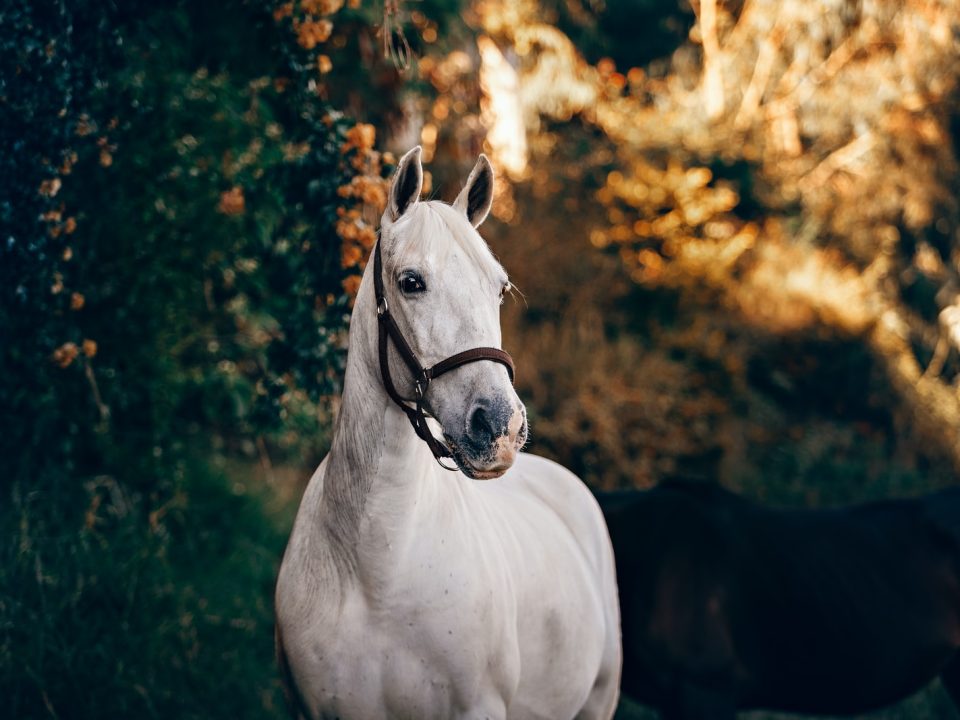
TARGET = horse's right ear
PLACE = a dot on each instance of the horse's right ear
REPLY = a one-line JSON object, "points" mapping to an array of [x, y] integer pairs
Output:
{"points": [[407, 183]]}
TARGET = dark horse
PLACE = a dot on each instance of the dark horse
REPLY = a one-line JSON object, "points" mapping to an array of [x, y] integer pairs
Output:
{"points": [[729, 605]]}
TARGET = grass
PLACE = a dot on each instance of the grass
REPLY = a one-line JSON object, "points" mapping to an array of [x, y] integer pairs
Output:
{"points": [[110, 610]]}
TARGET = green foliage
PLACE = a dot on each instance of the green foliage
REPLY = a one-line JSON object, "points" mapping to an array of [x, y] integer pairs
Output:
{"points": [[106, 611], [189, 233], [170, 272], [48, 72]]}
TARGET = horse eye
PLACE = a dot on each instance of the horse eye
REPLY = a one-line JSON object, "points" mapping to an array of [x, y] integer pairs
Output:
{"points": [[411, 283]]}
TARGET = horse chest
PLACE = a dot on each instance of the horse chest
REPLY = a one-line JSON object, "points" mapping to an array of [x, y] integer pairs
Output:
{"points": [[428, 642]]}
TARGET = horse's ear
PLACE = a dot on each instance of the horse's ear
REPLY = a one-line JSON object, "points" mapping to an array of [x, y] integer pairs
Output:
{"points": [[407, 183], [475, 199]]}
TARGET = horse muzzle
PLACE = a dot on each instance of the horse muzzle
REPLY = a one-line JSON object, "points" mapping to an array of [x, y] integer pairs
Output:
{"points": [[494, 432]]}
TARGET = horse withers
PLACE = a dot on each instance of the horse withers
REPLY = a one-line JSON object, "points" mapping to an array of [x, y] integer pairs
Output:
{"points": [[409, 591], [730, 605]]}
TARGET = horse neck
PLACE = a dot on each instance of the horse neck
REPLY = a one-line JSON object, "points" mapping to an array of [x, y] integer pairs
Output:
{"points": [[377, 465]]}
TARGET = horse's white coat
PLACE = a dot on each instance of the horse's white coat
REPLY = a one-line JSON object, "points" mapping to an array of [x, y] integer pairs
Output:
{"points": [[407, 591]]}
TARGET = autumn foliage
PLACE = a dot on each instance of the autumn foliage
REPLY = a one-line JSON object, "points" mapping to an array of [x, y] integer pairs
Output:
{"points": [[784, 176], [182, 211], [733, 227]]}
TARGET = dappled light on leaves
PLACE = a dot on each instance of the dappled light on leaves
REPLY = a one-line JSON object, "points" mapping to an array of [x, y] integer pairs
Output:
{"points": [[366, 196], [789, 160]]}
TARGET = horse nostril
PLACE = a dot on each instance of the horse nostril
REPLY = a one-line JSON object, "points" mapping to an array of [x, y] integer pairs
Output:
{"points": [[478, 426]]}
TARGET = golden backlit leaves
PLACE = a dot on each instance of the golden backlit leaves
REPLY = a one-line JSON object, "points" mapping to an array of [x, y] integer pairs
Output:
{"points": [[64, 355], [232, 202], [85, 126], [812, 287], [444, 73], [425, 25], [815, 103], [312, 27], [366, 197], [463, 118], [311, 33], [685, 224], [454, 105], [49, 188], [69, 160], [106, 151], [322, 7], [810, 97], [554, 79], [557, 83], [362, 137], [839, 114], [369, 190]]}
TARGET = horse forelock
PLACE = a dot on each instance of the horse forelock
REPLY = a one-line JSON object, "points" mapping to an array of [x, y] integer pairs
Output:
{"points": [[432, 229]]}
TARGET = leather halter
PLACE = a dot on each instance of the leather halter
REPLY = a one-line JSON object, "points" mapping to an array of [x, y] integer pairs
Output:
{"points": [[422, 376]]}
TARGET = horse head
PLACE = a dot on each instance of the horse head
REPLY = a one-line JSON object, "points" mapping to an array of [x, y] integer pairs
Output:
{"points": [[443, 288]]}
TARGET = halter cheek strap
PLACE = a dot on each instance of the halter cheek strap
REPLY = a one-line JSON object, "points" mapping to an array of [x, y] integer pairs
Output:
{"points": [[389, 330]]}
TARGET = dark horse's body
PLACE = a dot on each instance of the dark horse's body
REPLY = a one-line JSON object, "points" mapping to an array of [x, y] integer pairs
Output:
{"points": [[729, 605]]}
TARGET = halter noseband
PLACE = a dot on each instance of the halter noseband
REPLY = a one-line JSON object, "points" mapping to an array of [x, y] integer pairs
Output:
{"points": [[422, 376]]}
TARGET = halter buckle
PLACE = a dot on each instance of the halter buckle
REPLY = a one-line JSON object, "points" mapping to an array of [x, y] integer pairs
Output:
{"points": [[420, 386], [382, 307]]}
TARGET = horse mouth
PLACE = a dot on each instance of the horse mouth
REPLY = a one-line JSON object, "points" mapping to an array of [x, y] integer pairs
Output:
{"points": [[489, 472]]}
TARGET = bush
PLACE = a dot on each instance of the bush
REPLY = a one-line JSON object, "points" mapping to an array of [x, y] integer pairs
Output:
{"points": [[183, 219]]}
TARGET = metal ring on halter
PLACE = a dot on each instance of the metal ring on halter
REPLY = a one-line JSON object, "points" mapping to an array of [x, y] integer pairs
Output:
{"points": [[382, 307], [445, 467]]}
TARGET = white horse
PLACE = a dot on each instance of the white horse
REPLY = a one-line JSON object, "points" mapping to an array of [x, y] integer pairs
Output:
{"points": [[407, 591]]}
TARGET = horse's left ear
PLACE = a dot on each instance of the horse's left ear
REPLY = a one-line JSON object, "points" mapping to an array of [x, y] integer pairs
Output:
{"points": [[475, 199]]}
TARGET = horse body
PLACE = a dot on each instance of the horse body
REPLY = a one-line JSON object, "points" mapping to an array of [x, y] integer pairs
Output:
{"points": [[460, 610], [412, 592], [729, 605]]}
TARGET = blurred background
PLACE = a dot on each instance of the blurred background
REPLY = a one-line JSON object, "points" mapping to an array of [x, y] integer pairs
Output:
{"points": [[733, 224]]}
